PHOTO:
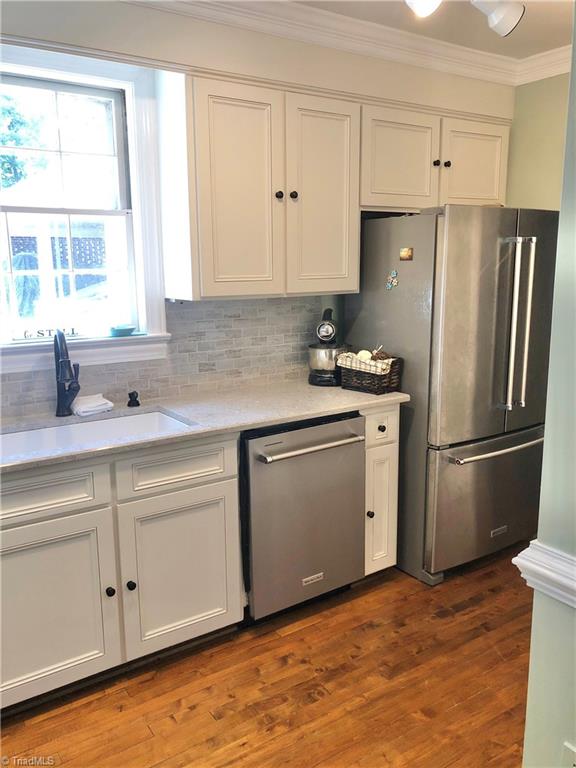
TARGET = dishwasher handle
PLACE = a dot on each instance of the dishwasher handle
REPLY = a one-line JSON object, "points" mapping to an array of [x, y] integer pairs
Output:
{"points": [[266, 459]]}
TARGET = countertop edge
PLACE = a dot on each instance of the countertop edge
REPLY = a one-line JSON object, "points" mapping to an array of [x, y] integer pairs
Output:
{"points": [[199, 432]]}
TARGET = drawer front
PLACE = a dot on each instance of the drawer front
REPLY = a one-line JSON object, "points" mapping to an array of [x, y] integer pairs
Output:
{"points": [[35, 494], [382, 428], [149, 473]]}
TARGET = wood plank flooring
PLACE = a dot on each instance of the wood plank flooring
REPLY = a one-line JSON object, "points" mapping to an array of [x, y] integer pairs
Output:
{"points": [[389, 674]]}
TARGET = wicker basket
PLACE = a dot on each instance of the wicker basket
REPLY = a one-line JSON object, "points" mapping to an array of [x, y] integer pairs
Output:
{"points": [[365, 378]]}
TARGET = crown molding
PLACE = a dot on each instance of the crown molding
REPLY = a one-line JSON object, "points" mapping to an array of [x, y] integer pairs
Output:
{"points": [[543, 65], [332, 30], [549, 570]]}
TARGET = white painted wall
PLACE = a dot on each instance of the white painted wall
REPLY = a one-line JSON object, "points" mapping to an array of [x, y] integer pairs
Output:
{"points": [[551, 713], [120, 28]]}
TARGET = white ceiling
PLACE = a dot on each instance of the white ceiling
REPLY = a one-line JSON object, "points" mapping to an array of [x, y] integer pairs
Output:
{"points": [[546, 24]]}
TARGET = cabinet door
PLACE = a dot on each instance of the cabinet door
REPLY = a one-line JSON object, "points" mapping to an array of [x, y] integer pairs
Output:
{"points": [[323, 215], [382, 501], [180, 562], [478, 157], [58, 624], [239, 132], [399, 149]]}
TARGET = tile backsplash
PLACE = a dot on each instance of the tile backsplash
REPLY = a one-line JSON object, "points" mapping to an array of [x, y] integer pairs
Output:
{"points": [[214, 345]]}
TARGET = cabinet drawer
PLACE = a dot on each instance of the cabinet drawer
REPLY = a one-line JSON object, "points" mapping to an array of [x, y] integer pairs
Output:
{"points": [[382, 428], [37, 493], [150, 472]]}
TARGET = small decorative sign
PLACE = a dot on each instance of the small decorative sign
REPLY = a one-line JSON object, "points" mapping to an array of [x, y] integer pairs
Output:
{"points": [[48, 333], [406, 254], [392, 280]]}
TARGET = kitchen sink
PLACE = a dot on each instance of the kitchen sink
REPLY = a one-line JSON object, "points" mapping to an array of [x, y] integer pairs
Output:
{"points": [[101, 433]]}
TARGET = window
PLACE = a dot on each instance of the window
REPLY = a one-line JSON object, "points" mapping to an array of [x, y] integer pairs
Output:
{"points": [[79, 235], [66, 255]]}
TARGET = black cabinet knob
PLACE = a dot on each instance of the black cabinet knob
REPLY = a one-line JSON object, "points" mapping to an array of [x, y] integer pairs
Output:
{"points": [[447, 164], [382, 428], [110, 591], [131, 585], [279, 195], [294, 195], [436, 163], [370, 514]]}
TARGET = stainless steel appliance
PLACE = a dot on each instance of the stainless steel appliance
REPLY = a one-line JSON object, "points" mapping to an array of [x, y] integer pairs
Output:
{"points": [[322, 356], [302, 510], [470, 313]]}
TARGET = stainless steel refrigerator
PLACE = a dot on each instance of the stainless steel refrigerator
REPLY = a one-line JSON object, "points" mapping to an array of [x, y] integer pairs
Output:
{"points": [[464, 295]]}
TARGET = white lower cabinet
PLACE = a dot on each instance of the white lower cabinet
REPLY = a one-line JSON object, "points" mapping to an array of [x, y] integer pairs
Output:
{"points": [[58, 623], [180, 564], [381, 507], [68, 610]]}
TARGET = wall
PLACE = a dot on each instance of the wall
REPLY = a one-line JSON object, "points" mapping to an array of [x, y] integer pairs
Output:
{"points": [[121, 28], [214, 345], [536, 159], [551, 712]]}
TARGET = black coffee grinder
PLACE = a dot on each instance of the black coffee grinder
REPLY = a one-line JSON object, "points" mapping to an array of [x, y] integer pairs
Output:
{"points": [[322, 356]]}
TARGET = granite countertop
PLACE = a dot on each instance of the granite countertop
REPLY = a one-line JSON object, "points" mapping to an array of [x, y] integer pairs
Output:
{"points": [[205, 415]]}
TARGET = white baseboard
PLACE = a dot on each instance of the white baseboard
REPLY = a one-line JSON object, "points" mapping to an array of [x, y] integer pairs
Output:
{"points": [[549, 570]]}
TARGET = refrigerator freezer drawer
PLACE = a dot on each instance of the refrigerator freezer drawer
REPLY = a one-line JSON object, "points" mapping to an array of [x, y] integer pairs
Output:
{"points": [[482, 497]]}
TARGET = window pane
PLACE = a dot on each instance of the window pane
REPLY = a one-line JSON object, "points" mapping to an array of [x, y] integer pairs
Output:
{"points": [[24, 253], [90, 181], [28, 117], [59, 248], [30, 178], [27, 288], [86, 124], [62, 285], [88, 243], [69, 272]]}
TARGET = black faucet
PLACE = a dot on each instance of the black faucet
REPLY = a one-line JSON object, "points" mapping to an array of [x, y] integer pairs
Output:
{"points": [[67, 386]]}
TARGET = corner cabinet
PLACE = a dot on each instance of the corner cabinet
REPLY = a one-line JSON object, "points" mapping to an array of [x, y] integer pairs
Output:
{"points": [[418, 160], [103, 563], [275, 193]]}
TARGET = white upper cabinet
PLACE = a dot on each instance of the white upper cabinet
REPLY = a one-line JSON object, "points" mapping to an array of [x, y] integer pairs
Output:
{"points": [[322, 205], [416, 160], [477, 155], [399, 152], [239, 132]]}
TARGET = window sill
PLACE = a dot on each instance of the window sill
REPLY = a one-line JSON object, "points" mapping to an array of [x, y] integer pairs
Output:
{"points": [[38, 355]]}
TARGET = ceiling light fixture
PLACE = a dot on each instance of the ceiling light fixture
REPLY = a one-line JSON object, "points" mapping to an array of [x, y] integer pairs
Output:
{"points": [[503, 17], [423, 8]]}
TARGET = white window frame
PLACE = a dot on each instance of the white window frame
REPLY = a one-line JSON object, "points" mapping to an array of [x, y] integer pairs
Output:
{"points": [[139, 87]]}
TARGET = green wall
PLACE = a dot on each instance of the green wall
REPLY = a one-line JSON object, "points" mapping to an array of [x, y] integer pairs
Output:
{"points": [[536, 158], [551, 712]]}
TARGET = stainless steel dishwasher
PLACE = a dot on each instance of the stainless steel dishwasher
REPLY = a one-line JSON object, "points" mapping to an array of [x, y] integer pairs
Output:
{"points": [[302, 490]]}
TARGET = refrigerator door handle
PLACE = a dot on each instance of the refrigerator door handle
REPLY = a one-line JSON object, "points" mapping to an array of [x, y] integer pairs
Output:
{"points": [[531, 261], [482, 456], [517, 242]]}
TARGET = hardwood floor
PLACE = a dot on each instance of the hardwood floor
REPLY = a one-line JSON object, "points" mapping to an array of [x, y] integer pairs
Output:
{"points": [[388, 674]]}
